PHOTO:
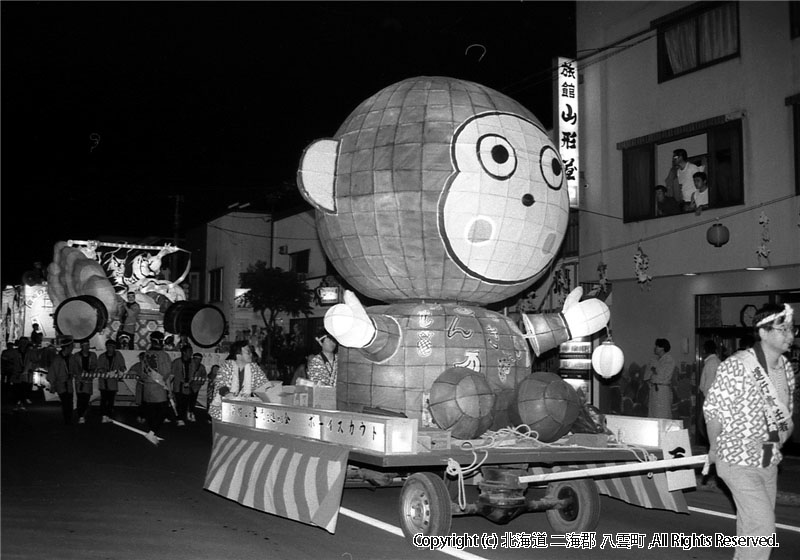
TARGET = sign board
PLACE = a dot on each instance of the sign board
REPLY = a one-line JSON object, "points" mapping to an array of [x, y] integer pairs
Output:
{"points": [[364, 431], [242, 413], [566, 123]]}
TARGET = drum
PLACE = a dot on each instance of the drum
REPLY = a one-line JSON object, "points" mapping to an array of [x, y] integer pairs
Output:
{"points": [[81, 317], [204, 324]]}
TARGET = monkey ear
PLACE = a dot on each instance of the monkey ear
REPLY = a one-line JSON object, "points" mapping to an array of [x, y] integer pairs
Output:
{"points": [[316, 177]]}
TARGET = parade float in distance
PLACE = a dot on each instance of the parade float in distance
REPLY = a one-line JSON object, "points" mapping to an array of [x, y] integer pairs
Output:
{"points": [[85, 294]]}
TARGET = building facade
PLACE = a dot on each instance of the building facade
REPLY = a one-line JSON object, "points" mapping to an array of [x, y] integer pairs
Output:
{"points": [[721, 81]]}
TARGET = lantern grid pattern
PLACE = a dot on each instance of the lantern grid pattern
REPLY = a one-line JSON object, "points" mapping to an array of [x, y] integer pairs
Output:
{"points": [[395, 159]]}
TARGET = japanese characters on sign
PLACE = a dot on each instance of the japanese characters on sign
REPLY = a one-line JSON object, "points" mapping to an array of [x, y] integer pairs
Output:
{"points": [[359, 430], [566, 123]]}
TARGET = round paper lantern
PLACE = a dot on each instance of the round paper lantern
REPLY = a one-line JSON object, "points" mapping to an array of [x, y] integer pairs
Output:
{"points": [[718, 235], [547, 404], [436, 188], [607, 359], [462, 401]]}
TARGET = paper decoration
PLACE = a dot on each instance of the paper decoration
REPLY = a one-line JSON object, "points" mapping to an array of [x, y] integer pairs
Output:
{"points": [[641, 262], [608, 359], [762, 250], [445, 192]]}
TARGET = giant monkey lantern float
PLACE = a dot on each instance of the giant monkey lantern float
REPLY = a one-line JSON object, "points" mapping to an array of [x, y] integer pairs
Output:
{"points": [[439, 195]]}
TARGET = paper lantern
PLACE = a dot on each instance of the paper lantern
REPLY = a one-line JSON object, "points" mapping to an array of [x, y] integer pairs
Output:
{"points": [[607, 359], [462, 402], [718, 235], [547, 404], [437, 188]]}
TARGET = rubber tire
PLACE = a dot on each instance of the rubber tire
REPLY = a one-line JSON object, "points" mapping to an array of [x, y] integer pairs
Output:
{"points": [[583, 515], [425, 506]]}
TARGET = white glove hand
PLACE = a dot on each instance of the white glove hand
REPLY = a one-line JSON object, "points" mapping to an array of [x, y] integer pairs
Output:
{"points": [[349, 323], [584, 317]]}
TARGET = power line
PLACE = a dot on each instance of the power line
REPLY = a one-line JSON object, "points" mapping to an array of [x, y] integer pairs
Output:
{"points": [[678, 230]]}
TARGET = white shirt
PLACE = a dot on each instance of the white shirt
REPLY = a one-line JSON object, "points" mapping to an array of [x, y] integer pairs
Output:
{"points": [[686, 180], [701, 198], [710, 366]]}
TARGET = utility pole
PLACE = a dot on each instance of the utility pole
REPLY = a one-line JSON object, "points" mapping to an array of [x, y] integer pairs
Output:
{"points": [[176, 232]]}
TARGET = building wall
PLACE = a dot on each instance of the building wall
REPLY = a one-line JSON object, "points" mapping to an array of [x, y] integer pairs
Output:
{"points": [[622, 100], [667, 308], [298, 232], [235, 241]]}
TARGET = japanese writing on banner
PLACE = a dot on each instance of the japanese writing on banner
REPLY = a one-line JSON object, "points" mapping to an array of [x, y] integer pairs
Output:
{"points": [[566, 127]]}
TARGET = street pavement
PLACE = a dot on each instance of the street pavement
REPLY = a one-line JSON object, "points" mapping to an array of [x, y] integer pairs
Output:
{"points": [[100, 491]]}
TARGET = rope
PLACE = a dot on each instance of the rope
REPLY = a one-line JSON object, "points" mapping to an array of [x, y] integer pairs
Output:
{"points": [[456, 470]]}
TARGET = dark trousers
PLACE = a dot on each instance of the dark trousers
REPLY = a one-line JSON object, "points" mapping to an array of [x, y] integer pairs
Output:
{"points": [[192, 401], [22, 391], [66, 406], [107, 402], [83, 403], [154, 414], [182, 404]]}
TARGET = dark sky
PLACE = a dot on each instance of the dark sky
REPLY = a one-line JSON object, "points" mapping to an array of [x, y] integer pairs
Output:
{"points": [[216, 101]]}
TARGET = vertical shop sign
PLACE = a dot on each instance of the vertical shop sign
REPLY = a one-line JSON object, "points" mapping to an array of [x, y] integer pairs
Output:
{"points": [[566, 127]]}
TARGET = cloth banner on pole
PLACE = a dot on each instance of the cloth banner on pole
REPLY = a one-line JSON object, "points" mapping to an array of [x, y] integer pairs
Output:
{"points": [[276, 473]]}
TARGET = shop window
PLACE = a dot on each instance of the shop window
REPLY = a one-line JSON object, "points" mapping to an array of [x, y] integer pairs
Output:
{"points": [[215, 285], [300, 261], [696, 37], [714, 147]]}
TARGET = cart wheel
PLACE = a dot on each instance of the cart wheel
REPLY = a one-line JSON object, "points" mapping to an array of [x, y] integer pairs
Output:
{"points": [[583, 511], [424, 506]]}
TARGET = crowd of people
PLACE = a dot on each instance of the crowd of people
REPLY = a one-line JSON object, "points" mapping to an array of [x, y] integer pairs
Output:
{"points": [[166, 389], [685, 188]]}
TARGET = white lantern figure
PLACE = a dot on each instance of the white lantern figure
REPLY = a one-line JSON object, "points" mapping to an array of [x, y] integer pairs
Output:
{"points": [[607, 359]]}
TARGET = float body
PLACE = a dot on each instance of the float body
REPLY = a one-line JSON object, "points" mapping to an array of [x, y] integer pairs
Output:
{"points": [[417, 342]]}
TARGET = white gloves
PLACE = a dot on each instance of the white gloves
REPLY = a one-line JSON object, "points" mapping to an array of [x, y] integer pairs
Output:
{"points": [[349, 323]]}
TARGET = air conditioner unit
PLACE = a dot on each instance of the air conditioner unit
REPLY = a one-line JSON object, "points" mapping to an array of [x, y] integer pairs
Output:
{"points": [[283, 250]]}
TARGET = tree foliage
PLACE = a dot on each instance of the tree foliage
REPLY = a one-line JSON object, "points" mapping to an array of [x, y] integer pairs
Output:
{"points": [[272, 291]]}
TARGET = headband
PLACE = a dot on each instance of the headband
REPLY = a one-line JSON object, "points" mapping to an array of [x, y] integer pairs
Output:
{"points": [[787, 313]]}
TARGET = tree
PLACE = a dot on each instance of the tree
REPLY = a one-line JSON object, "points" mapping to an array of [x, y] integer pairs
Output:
{"points": [[276, 291]]}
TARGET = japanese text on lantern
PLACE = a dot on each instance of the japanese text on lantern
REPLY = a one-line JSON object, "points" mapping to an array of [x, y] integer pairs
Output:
{"points": [[567, 123]]}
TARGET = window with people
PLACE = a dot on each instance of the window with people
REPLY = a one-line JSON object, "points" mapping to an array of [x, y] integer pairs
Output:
{"points": [[673, 173]]}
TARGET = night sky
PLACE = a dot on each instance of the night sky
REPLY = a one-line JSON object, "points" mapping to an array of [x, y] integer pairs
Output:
{"points": [[110, 109]]}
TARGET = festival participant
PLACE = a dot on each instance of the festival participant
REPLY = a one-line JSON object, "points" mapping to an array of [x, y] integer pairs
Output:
{"points": [[238, 377], [181, 380], [61, 374], [129, 319], [659, 375], [163, 365], [199, 376], [12, 364], [155, 395], [323, 368], [212, 377], [109, 362], [749, 417], [86, 362], [32, 359]]}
